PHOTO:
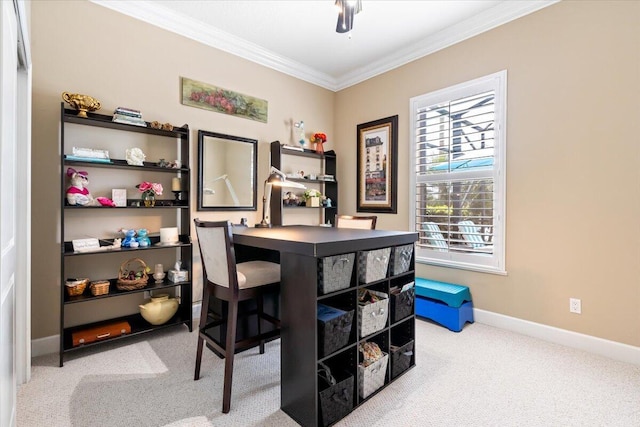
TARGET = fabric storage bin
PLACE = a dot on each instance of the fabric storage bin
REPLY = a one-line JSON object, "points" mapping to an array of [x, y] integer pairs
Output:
{"points": [[371, 378], [402, 302], [401, 259], [401, 357], [372, 265], [372, 316], [334, 272], [336, 400], [334, 328]]}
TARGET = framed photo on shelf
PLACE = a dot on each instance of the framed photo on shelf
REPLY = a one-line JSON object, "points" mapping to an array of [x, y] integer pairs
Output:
{"points": [[377, 165]]}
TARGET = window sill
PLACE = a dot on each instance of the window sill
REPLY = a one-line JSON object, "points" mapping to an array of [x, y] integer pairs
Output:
{"points": [[461, 266]]}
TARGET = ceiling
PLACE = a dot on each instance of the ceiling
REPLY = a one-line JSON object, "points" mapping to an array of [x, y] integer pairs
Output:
{"points": [[299, 38]]}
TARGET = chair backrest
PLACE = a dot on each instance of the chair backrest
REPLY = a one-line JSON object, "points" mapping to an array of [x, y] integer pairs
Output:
{"points": [[435, 237], [349, 221], [215, 240], [471, 233]]}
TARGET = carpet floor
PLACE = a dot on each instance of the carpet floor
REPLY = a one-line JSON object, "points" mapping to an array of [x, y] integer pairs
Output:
{"points": [[482, 376]]}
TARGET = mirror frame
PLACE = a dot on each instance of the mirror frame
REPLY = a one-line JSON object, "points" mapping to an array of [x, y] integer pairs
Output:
{"points": [[201, 162]]}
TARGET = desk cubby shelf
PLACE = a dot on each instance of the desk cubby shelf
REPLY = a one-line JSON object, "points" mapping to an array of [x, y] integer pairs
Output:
{"points": [[393, 335]]}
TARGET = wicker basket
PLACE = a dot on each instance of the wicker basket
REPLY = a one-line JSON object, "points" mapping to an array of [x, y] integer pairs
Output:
{"points": [[99, 287], [125, 284], [76, 287]]}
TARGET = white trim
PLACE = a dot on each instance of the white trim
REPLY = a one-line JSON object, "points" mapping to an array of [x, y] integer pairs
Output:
{"points": [[155, 14], [611, 349], [23, 203], [501, 14], [486, 263]]}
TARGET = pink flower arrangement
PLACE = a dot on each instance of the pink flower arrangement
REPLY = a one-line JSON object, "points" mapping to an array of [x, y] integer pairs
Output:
{"points": [[147, 187]]}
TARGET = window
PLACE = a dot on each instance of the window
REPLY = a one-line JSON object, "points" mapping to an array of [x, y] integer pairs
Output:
{"points": [[458, 174]]}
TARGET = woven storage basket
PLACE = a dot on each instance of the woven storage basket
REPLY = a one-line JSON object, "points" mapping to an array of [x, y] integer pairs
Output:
{"points": [[99, 287], [401, 358], [334, 272], [371, 378], [372, 316], [334, 329], [372, 265], [402, 304], [76, 287], [336, 401], [401, 259], [125, 284]]}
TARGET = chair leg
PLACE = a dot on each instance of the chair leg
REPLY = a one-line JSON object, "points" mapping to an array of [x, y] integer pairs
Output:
{"points": [[260, 311], [230, 350], [203, 321]]}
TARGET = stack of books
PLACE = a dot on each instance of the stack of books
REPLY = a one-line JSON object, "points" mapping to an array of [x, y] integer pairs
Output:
{"points": [[89, 155], [128, 116]]}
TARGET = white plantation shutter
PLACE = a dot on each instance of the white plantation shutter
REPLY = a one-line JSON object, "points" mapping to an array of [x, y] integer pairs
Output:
{"points": [[458, 179]]}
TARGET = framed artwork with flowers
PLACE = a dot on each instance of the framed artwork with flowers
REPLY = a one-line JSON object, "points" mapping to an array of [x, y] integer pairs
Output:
{"points": [[213, 98], [377, 170]]}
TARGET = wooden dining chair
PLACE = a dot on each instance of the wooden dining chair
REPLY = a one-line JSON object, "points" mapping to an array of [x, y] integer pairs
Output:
{"points": [[232, 282], [349, 221]]}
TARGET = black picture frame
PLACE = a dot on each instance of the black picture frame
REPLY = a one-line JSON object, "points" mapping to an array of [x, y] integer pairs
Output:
{"points": [[227, 169], [377, 172]]}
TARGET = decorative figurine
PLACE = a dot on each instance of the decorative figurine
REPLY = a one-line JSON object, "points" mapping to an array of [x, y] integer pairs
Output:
{"points": [[143, 238], [82, 103], [78, 193], [135, 157], [129, 238], [301, 138]]}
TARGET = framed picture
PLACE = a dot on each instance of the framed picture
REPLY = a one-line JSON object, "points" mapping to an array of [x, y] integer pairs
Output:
{"points": [[377, 165]]}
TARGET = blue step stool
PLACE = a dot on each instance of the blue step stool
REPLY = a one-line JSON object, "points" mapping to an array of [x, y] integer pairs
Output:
{"points": [[445, 303]]}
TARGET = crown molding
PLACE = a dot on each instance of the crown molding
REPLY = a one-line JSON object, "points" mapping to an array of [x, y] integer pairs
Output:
{"points": [[162, 17]]}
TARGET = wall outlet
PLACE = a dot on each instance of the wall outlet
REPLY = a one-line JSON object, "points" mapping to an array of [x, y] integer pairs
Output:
{"points": [[147, 294], [575, 305]]}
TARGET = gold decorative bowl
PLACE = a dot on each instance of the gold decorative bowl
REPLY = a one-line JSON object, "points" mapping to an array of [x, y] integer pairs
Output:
{"points": [[82, 103]]}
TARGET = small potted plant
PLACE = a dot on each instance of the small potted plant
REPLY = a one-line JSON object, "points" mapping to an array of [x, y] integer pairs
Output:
{"points": [[312, 198]]}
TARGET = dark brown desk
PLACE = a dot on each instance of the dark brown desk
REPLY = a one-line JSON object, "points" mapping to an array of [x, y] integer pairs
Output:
{"points": [[300, 248]]}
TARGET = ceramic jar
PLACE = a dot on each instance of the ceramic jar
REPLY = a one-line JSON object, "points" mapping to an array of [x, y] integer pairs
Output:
{"points": [[159, 310]]}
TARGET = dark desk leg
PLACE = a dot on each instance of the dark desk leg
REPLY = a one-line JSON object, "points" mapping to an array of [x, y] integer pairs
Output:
{"points": [[298, 338]]}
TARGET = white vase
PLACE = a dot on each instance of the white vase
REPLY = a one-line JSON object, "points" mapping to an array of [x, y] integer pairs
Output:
{"points": [[159, 310]]}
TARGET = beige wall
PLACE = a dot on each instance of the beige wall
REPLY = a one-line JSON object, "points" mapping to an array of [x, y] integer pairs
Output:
{"points": [[573, 175], [85, 48], [573, 209]]}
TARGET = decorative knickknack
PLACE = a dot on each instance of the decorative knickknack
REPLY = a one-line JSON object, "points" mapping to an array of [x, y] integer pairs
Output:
{"points": [[82, 103], [159, 310], [149, 191], [319, 138], [312, 198]]}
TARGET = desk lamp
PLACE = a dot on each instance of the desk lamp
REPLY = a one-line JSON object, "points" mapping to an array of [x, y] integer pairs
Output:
{"points": [[279, 179]]}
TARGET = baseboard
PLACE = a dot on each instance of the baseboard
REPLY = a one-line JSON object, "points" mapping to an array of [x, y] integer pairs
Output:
{"points": [[611, 349], [49, 345]]}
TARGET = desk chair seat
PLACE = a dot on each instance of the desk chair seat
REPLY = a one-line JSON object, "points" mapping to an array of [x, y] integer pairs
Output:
{"points": [[231, 282], [349, 221]]}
